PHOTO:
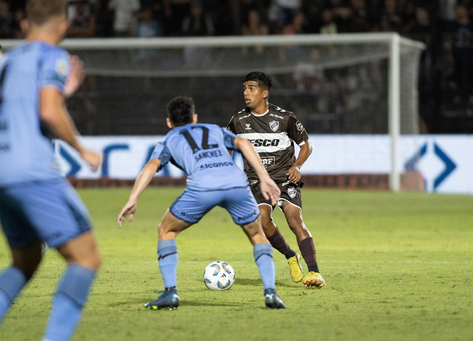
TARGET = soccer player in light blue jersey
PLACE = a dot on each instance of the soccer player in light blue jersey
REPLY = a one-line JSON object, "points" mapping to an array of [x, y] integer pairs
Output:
{"points": [[36, 204], [214, 180]]}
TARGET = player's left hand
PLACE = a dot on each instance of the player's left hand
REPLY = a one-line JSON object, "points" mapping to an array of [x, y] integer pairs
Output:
{"points": [[129, 209], [270, 190], [76, 76], [294, 174]]}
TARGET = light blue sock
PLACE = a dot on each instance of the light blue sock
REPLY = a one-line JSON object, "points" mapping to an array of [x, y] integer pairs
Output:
{"points": [[12, 280], [70, 297], [167, 257], [263, 254]]}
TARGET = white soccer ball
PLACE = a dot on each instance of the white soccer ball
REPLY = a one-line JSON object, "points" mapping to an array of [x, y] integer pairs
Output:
{"points": [[219, 275]]}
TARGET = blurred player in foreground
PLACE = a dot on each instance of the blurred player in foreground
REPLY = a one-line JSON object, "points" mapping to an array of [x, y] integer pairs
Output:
{"points": [[36, 204], [272, 131], [214, 180]]}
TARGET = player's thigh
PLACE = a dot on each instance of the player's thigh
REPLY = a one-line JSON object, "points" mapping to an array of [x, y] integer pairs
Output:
{"points": [[82, 250], [28, 259], [50, 211], [241, 205], [191, 206], [290, 193], [170, 226], [18, 229]]}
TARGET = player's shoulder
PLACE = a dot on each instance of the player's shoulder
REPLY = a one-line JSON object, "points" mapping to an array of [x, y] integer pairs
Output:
{"points": [[245, 112], [276, 110]]}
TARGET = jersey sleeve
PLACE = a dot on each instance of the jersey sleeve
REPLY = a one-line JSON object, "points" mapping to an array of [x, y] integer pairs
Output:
{"points": [[55, 69], [296, 131], [162, 153], [229, 138], [231, 126]]}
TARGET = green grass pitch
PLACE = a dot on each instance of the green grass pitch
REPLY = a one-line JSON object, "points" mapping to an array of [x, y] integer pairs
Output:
{"points": [[397, 266]]}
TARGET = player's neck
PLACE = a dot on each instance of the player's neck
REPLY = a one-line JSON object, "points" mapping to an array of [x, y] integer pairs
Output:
{"points": [[44, 36], [260, 109]]}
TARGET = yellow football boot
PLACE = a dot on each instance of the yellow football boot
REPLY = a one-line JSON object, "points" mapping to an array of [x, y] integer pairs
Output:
{"points": [[314, 279], [295, 268]]}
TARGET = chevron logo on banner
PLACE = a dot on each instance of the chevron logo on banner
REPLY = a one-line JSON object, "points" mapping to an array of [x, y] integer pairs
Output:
{"points": [[450, 166]]}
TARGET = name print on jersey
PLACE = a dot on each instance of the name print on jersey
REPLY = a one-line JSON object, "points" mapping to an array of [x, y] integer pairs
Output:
{"points": [[213, 153]]}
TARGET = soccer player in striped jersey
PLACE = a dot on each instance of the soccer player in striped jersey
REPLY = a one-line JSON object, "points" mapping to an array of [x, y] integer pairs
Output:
{"points": [[214, 180], [273, 132], [36, 204]]}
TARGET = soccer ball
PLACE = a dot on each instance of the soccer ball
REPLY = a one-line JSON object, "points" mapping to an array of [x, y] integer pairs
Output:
{"points": [[219, 275]]}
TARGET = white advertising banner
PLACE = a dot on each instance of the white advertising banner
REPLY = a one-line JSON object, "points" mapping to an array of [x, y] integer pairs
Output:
{"points": [[445, 161]]}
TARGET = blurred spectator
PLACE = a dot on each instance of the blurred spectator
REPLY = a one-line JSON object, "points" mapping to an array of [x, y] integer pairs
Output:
{"points": [[421, 26], [174, 13], [292, 53], [83, 24], [329, 25], [254, 27], [461, 53], [222, 14], [391, 20], [343, 18], [282, 12], [125, 16], [18, 17], [198, 23], [7, 24], [361, 18], [148, 26], [447, 10], [90, 7]]}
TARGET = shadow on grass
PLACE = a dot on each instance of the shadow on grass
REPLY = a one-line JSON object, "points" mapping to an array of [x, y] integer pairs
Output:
{"points": [[204, 303], [258, 283]]}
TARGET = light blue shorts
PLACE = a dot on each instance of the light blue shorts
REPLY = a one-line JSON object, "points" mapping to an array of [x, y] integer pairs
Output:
{"points": [[191, 206], [50, 211]]}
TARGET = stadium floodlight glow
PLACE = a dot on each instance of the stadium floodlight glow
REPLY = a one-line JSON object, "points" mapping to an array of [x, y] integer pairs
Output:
{"points": [[345, 83]]}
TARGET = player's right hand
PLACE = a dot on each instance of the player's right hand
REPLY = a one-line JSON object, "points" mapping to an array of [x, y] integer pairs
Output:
{"points": [[270, 190], [76, 76], [92, 158], [129, 209]]}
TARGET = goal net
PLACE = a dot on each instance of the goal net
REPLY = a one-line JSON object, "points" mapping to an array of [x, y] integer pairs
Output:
{"points": [[337, 84]]}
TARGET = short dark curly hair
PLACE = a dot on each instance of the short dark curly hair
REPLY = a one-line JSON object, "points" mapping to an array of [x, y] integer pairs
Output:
{"points": [[181, 110], [264, 81]]}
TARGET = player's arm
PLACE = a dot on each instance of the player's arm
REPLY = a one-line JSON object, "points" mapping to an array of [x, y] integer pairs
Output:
{"points": [[268, 187], [53, 112], [294, 173], [142, 181], [231, 127]]}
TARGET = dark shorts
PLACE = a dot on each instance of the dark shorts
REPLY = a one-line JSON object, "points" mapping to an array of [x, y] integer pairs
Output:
{"points": [[290, 192], [50, 211], [191, 206]]}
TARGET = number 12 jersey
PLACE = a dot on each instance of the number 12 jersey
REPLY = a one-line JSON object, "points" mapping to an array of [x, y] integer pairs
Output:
{"points": [[200, 150]]}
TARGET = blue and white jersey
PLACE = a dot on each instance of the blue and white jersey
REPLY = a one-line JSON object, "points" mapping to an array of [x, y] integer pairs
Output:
{"points": [[26, 154], [200, 150]]}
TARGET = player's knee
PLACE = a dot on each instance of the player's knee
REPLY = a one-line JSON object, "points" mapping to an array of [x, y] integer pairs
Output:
{"points": [[96, 260], [295, 222], [163, 231]]}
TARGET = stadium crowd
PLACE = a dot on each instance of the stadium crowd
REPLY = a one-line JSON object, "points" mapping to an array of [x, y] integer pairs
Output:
{"points": [[445, 26], [146, 18]]}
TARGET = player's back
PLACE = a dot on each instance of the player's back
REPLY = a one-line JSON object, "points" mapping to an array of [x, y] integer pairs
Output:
{"points": [[201, 151], [26, 154]]}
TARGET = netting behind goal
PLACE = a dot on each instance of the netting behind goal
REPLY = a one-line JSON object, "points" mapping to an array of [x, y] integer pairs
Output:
{"points": [[336, 85]]}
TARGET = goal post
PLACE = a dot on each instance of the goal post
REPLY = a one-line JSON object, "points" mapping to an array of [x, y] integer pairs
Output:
{"points": [[344, 84]]}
